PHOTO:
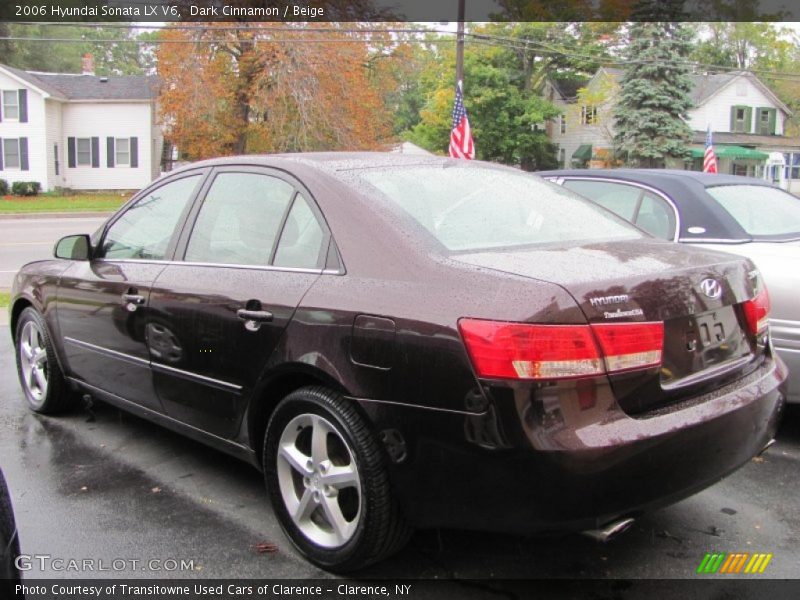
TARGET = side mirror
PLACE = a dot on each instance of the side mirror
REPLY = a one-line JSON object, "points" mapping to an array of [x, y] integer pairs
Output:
{"points": [[73, 247]]}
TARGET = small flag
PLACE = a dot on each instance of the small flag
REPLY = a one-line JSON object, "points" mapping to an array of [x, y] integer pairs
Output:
{"points": [[709, 158], [461, 144]]}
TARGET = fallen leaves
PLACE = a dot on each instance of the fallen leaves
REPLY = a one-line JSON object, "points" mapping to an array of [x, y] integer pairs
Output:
{"points": [[265, 548]]}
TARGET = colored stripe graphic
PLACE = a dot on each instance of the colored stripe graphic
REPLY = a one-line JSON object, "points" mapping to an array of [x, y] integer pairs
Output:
{"points": [[722, 562]]}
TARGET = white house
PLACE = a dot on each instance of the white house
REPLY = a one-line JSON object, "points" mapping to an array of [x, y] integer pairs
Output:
{"points": [[79, 131], [746, 118]]}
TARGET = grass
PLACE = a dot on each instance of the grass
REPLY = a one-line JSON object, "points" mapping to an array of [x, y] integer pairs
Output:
{"points": [[4, 298], [54, 203]]}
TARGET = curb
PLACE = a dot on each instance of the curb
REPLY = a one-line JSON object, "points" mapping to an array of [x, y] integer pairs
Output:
{"points": [[52, 215]]}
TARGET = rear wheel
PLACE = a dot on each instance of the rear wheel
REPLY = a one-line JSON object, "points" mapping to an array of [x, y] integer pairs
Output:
{"points": [[39, 373], [326, 478]]}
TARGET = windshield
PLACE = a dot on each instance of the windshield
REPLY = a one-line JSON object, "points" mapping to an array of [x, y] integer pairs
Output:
{"points": [[763, 212], [472, 208]]}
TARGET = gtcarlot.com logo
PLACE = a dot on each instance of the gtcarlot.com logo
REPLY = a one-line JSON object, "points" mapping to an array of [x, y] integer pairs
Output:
{"points": [[736, 562]]}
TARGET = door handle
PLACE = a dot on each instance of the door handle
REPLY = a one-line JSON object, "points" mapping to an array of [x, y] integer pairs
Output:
{"points": [[259, 316], [132, 301]]}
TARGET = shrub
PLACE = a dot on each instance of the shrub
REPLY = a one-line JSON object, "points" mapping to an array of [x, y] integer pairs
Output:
{"points": [[26, 188], [3, 187]]}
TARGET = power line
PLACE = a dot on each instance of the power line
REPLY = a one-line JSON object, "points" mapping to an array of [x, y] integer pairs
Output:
{"points": [[475, 38]]}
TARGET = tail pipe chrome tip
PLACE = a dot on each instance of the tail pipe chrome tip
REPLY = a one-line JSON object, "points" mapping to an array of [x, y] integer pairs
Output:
{"points": [[767, 446], [610, 531]]}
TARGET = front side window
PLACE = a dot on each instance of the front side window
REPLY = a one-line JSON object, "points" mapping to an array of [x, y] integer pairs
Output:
{"points": [[145, 230], [239, 220], [122, 153], [11, 155], [763, 212], [10, 104], [471, 208], [84, 151]]}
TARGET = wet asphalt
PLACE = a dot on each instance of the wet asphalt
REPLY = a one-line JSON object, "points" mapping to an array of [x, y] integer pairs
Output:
{"points": [[115, 487]]}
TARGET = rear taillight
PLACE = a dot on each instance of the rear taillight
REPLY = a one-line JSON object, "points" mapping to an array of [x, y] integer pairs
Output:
{"points": [[756, 312], [502, 350]]}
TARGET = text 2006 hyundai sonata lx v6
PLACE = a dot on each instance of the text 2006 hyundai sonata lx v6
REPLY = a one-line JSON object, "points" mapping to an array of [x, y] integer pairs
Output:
{"points": [[406, 342]]}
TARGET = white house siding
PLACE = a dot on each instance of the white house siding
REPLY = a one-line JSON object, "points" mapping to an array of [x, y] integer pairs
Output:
{"points": [[578, 134], [34, 130], [717, 109], [53, 137], [109, 119]]}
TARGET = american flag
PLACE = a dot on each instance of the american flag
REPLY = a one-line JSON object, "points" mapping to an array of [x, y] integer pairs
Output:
{"points": [[461, 144], [709, 159]]}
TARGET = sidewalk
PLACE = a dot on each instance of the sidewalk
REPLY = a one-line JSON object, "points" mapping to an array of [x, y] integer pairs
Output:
{"points": [[55, 215]]}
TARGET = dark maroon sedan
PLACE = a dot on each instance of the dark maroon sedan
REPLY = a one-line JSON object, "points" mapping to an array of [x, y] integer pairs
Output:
{"points": [[408, 342]]}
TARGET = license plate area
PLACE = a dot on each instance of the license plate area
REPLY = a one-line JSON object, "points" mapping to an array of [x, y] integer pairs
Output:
{"points": [[698, 342]]}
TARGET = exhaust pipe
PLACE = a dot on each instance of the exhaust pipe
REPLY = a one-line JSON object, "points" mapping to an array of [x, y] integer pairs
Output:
{"points": [[767, 446], [610, 531]]}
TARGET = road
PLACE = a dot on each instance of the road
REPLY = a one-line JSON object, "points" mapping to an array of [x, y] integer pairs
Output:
{"points": [[23, 240], [116, 486]]}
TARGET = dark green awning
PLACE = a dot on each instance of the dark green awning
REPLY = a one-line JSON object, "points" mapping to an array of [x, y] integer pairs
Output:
{"points": [[734, 152], [584, 152]]}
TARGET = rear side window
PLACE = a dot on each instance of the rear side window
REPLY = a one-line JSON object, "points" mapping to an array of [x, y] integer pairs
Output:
{"points": [[239, 220], [145, 229], [616, 197], [763, 212], [656, 217], [301, 240], [470, 207]]}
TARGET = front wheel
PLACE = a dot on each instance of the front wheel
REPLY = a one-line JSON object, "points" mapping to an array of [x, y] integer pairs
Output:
{"points": [[326, 477], [37, 367]]}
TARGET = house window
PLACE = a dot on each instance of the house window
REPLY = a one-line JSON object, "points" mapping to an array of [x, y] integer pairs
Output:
{"points": [[741, 119], [122, 153], [84, 151], [588, 115], [741, 88], [562, 157], [792, 165], [766, 121], [55, 157], [11, 155], [563, 124], [11, 104]]}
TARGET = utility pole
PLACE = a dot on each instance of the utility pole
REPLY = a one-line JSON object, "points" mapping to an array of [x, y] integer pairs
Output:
{"points": [[460, 43]]}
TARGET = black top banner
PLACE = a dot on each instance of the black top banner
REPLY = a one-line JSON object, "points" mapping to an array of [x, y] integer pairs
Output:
{"points": [[67, 11]]}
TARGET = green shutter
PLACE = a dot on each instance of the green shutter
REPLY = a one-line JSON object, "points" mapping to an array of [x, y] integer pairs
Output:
{"points": [[773, 115], [748, 119], [733, 118]]}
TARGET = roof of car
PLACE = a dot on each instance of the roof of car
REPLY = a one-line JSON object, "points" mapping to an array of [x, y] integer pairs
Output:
{"points": [[658, 177], [687, 192]]}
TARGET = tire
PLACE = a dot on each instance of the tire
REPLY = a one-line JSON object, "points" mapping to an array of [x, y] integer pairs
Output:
{"points": [[9, 543], [38, 370], [311, 480]]}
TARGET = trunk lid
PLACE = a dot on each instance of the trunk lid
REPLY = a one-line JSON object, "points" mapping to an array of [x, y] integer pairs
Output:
{"points": [[696, 293]]}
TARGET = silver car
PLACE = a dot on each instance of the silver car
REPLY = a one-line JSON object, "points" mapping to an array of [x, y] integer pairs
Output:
{"points": [[741, 215]]}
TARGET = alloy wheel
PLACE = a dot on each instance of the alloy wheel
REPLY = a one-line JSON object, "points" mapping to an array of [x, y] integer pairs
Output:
{"points": [[319, 480], [33, 360]]}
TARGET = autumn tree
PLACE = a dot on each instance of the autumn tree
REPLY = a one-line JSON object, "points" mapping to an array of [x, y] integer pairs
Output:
{"points": [[253, 89]]}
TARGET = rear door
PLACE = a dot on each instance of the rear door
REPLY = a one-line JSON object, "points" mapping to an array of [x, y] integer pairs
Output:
{"points": [[102, 303], [253, 247]]}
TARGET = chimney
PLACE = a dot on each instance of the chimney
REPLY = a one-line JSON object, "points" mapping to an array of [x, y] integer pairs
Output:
{"points": [[87, 64]]}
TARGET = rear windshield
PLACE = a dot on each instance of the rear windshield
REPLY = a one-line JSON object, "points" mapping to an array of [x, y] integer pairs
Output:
{"points": [[763, 212], [477, 208]]}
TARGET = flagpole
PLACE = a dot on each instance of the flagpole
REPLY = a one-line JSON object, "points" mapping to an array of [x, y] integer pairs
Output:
{"points": [[460, 43]]}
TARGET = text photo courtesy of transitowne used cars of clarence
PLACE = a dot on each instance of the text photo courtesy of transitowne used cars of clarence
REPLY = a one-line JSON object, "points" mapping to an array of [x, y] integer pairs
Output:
{"points": [[364, 304]]}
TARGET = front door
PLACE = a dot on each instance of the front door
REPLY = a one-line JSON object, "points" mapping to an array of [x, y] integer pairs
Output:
{"points": [[102, 303], [256, 247]]}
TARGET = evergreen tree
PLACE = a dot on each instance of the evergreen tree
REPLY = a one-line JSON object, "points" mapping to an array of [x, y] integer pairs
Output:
{"points": [[652, 110]]}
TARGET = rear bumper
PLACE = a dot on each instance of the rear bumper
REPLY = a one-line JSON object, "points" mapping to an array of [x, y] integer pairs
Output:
{"points": [[785, 336], [535, 462]]}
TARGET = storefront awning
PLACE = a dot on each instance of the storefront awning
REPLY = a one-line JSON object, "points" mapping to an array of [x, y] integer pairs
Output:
{"points": [[584, 152], [732, 152]]}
